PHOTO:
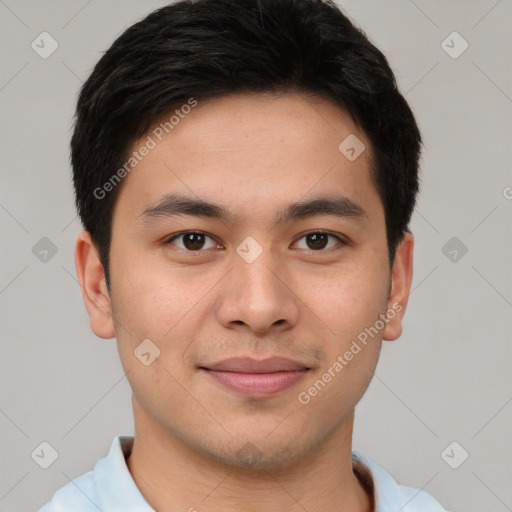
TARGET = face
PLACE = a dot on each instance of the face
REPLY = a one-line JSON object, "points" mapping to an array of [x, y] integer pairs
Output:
{"points": [[287, 260]]}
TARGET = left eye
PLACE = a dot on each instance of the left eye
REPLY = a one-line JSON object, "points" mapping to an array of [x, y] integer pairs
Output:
{"points": [[319, 240], [195, 241]]}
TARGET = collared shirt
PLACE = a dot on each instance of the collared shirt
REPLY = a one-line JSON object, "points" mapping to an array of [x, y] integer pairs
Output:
{"points": [[109, 487]]}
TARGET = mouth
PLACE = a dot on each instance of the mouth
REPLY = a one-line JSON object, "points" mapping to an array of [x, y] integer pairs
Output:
{"points": [[256, 379]]}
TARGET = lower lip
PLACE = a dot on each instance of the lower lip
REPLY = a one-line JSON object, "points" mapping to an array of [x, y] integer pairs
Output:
{"points": [[257, 384]]}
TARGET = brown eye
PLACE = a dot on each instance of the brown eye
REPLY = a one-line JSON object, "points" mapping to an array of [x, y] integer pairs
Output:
{"points": [[319, 240], [192, 241]]}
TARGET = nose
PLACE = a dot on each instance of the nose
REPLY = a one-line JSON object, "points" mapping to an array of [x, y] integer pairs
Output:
{"points": [[258, 297]]}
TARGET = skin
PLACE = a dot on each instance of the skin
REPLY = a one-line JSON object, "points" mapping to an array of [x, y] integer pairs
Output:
{"points": [[253, 154]]}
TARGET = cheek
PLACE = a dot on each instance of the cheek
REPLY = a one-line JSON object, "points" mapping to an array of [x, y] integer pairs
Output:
{"points": [[149, 304], [152, 345], [145, 298], [348, 300]]}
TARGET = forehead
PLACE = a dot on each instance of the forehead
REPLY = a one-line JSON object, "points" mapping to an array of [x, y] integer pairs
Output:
{"points": [[263, 118], [252, 151]]}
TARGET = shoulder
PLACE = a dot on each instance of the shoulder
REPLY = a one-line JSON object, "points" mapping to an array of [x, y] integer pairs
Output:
{"points": [[391, 496], [79, 495], [109, 486]]}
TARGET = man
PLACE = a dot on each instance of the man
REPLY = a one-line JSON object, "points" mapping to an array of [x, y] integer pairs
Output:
{"points": [[245, 172]]}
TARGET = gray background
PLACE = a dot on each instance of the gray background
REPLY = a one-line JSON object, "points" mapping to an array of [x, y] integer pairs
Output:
{"points": [[446, 379]]}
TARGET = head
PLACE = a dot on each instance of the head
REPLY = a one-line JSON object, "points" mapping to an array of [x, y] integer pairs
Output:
{"points": [[245, 107]]}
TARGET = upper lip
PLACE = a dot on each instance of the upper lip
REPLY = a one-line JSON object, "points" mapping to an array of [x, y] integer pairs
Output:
{"points": [[248, 365]]}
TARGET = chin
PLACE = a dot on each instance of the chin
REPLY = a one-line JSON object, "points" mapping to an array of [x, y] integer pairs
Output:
{"points": [[258, 449], [252, 456]]}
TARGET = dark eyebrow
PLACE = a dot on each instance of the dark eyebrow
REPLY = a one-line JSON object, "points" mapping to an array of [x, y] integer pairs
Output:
{"points": [[175, 204], [338, 206]]}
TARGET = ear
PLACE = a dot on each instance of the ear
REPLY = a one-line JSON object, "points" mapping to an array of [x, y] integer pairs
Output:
{"points": [[91, 277], [401, 279]]}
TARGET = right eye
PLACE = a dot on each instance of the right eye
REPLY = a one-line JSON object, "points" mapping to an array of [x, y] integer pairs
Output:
{"points": [[192, 241]]}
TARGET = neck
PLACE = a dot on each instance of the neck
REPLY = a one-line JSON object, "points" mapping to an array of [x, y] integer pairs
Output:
{"points": [[172, 476]]}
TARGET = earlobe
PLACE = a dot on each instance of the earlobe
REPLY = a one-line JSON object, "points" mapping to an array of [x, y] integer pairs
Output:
{"points": [[401, 279], [91, 277]]}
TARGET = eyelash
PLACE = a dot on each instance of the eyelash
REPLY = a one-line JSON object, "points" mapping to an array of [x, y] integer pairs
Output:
{"points": [[178, 235]]}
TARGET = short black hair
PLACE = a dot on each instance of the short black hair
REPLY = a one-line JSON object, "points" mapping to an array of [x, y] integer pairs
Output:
{"points": [[207, 48]]}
